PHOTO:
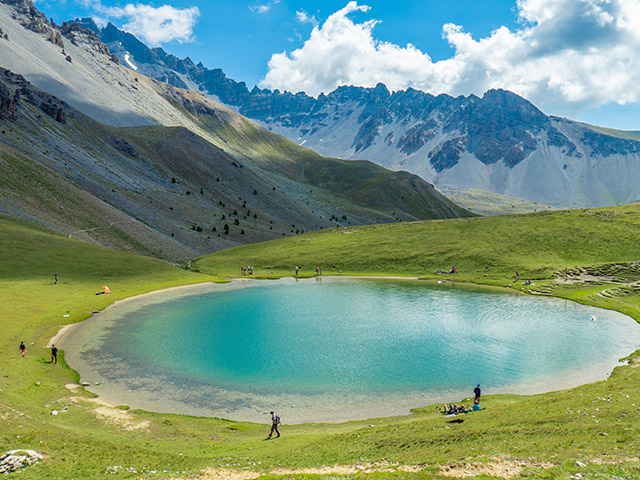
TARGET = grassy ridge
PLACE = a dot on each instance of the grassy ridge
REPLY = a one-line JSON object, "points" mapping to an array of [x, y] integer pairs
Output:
{"points": [[598, 424], [487, 249]]}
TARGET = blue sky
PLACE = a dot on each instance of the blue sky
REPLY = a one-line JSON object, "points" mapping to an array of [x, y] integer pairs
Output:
{"points": [[573, 58]]}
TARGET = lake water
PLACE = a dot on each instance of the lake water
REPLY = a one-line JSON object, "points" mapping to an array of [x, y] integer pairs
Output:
{"points": [[338, 349]]}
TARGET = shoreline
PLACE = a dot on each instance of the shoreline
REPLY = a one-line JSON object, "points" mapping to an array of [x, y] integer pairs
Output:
{"points": [[65, 329], [404, 404]]}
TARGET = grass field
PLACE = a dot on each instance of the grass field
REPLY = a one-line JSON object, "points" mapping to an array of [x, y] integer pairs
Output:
{"points": [[584, 255]]}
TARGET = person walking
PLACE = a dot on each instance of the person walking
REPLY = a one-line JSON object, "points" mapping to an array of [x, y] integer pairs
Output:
{"points": [[23, 349], [55, 278], [54, 354], [275, 421], [477, 392], [297, 270]]}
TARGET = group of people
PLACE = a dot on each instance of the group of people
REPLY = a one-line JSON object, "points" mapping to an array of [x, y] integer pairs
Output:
{"points": [[453, 409], [246, 270], [517, 278], [54, 352], [442, 272], [318, 270]]}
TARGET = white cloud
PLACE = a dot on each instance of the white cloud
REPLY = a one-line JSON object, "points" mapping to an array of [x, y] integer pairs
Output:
{"points": [[304, 17], [155, 25], [158, 25], [260, 8], [263, 8], [565, 55]]}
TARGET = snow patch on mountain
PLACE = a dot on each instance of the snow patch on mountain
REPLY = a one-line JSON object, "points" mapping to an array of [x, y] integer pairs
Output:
{"points": [[127, 60]]}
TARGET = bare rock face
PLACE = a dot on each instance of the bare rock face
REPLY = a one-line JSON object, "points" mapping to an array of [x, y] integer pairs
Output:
{"points": [[52, 108], [8, 104], [417, 136], [29, 16], [56, 38], [124, 146], [77, 34], [15, 88]]}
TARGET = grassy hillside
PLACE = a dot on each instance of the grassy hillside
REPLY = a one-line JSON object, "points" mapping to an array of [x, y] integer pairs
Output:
{"points": [[176, 192], [487, 248], [405, 196], [540, 436], [489, 203]]}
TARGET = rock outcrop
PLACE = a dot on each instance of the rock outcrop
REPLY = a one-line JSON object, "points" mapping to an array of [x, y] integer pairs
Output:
{"points": [[14, 88], [14, 460], [36, 21]]}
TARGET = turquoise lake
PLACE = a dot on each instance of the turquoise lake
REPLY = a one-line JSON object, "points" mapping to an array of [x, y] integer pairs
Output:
{"points": [[336, 349]]}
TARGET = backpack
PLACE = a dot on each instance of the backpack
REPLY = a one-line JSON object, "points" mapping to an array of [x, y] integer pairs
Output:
{"points": [[277, 420]]}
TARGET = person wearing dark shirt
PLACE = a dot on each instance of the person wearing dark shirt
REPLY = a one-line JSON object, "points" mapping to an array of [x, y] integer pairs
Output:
{"points": [[275, 421], [477, 393], [54, 354]]}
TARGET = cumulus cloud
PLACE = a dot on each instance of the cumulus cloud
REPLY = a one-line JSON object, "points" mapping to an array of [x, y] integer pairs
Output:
{"points": [[155, 25], [158, 25], [565, 55]]}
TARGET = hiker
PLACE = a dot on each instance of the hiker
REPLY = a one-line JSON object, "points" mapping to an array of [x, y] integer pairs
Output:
{"points": [[275, 421], [54, 354], [297, 270], [476, 406], [517, 275], [317, 270], [23, 349], [477, 392], [55, 278]]}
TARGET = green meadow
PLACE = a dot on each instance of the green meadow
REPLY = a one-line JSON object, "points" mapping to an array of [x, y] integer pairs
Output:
{"points": [[588, 432]]}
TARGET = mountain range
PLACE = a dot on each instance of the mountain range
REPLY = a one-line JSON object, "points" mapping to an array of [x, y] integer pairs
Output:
{"points": [[499, 143], [105, 154]]}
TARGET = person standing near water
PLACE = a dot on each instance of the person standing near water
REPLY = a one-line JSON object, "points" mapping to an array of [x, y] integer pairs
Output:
{"points": [[22, 348], [477, 393], [54, 354], [275, 421]]}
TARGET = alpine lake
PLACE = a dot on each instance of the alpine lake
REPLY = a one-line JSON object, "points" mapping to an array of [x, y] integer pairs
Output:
{"points": [[334, 349]]}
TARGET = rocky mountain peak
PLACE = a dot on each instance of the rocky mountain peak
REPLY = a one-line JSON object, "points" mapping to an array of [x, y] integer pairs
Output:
{"points": [[464, 142], [88, 24], [515, 104]]}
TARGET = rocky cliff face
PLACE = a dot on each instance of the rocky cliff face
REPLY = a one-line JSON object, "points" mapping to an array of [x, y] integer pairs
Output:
{"points": [[14, 89], [499, 142]]}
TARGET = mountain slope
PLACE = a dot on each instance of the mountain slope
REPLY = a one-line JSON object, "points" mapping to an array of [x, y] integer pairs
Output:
{"points": [[123, 160], [499, 143]]}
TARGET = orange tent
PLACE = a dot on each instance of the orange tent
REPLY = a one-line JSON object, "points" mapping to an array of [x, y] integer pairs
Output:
{"points": [[106, 289]]}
